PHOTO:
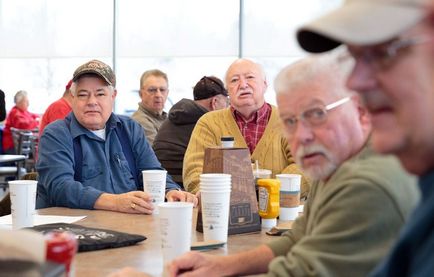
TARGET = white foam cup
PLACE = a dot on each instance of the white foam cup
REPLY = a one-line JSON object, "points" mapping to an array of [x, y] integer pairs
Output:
{"points": [[175, 228], [154, 183], [215, 214], [23, 202]]}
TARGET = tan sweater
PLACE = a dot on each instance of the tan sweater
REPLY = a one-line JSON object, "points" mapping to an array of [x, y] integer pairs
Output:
{"points": [[150, 121], [272, 151]]}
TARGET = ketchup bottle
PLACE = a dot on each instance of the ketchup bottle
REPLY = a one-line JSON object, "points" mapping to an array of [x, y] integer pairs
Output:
{"points": [[61, 248]]}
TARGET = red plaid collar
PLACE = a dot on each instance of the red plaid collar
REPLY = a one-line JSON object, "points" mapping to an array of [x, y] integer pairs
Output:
{"points": [[260, 115], [253, 128]]}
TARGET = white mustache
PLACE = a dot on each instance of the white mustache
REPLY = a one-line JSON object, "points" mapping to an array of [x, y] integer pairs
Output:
{"points": [[309, 150], [316, 172]]}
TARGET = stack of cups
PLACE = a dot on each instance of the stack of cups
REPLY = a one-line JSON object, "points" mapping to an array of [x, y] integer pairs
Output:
{"points": [[289, 195], [154, 183], [215, 194]]}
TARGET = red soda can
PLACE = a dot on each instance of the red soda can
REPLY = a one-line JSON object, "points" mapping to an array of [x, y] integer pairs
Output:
{"points": [[61, 248]]}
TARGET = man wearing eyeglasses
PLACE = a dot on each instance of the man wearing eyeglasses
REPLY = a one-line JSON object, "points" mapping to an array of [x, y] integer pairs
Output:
{"points": [[252, 122], [358, 200], [393, 45], [154, 89]]}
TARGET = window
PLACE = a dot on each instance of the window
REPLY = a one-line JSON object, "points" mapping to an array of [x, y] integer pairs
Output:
{"points": [[43, 41]]}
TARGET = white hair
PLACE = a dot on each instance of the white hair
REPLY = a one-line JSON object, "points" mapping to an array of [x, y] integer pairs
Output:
{"points": [[258, 66], [332, 68], [19, 96]]}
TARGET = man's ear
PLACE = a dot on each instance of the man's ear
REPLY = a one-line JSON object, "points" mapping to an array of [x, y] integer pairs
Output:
{"points": [[213, 103], [364, 116]]}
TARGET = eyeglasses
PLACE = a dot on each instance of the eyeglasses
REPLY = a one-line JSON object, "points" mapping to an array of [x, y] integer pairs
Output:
{"points": [[154, 90], [383, 56], [313, 117]]}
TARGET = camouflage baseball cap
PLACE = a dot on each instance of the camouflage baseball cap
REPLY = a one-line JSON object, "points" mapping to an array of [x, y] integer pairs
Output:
{"points": [[98, 68]]}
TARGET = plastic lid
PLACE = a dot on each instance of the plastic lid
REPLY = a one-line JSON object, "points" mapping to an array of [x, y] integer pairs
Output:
{"points": [[227, 139], [269, 223]]}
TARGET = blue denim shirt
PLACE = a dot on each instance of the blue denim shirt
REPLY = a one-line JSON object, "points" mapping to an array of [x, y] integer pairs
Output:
{"points": [[104, 166]]}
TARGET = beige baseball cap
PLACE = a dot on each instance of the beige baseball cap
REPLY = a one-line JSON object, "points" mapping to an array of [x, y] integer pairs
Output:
{"points": [[361, 22]]}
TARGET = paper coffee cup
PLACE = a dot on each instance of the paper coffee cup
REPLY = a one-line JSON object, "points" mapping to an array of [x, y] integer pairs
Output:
{"points": [[23, 202], [215, 213], [154, 183], [289, 195], [175, 228]]}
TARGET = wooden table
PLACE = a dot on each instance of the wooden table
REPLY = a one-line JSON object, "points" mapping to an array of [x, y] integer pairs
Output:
{"points": [[146, 256]]}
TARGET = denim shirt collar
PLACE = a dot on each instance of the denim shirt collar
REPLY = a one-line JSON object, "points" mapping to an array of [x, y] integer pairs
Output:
{"points": [[77, 129]]}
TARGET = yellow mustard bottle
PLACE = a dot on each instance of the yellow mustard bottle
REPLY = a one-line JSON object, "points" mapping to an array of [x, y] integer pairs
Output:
{"points": [[268, 194]]}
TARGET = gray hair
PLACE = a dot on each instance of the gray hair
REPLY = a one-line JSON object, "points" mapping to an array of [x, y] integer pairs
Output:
{"points": [[73, 88], [155, 73], [332, 68], [19, 96]]}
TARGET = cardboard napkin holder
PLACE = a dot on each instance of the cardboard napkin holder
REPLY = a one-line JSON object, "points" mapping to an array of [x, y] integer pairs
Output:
{"points": [[243, 211]]}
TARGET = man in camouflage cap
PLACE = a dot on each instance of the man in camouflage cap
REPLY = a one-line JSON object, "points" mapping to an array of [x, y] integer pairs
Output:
{"points": [[98, 68], [93, 159]]}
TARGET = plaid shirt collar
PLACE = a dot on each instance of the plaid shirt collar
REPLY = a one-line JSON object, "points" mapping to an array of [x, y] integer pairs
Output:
{"points": [[259, 116], [253, 128]]}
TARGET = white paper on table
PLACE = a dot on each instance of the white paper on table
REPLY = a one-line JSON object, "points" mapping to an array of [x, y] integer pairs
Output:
{"points": [[6, 221]]}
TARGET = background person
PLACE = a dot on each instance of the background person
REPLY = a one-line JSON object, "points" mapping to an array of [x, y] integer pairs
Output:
{"points": [[93, 159], [18, 117], [393, 45], [154, 89], [252, 122], [174, 134], [58, 109], [2, 106]]}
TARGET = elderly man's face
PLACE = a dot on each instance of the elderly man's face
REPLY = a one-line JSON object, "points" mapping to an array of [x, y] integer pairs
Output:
{"points": [[399, 93], [320, 148], [93, 102], [246, 85], [154, 93]]}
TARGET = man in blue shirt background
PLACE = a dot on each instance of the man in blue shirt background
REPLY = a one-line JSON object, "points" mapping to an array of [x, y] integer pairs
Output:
{"points": [[93, 159]]}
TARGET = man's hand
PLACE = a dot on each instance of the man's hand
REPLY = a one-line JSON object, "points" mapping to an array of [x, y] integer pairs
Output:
{"points": [[197, 264], [133, 202], [181, 196], [254, 261]]}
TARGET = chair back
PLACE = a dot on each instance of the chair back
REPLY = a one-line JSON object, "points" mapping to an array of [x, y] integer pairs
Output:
{"points": [[23, 141]]}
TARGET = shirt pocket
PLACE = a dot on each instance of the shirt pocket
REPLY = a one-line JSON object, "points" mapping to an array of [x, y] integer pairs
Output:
{"points": [[124, 167], [91, 171]]}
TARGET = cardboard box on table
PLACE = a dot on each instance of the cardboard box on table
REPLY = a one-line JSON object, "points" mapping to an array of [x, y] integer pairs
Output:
{"points": [[243, 211]]}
